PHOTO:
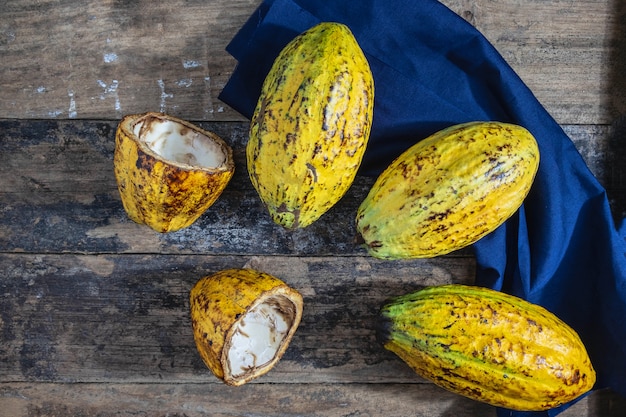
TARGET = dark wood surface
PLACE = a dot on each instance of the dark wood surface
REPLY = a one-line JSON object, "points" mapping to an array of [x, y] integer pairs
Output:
{"points": [[103, 59], [93, 304], [94, 308]]}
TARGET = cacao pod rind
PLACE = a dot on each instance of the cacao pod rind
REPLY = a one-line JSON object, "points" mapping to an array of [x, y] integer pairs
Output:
{"points": [[488, 346], [221, 301], [448, 190], [165, 194], [311, 125]]}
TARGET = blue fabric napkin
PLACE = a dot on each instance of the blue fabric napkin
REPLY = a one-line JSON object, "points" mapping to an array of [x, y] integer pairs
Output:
{"points": [[432, 69]]}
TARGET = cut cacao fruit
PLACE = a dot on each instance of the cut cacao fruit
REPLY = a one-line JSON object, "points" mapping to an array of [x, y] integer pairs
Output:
{"points": [[243, 321], [169, 171]]}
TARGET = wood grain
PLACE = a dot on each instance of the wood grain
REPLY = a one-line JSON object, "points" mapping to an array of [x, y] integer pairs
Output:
{"points": [[102, 59], [152, 400], [125, 318], [105, 59], [571, 54], [59, 194], [286, 400], [91, 299]]}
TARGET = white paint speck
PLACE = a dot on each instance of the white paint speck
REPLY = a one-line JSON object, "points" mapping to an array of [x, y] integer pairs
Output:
{"points": [[186, 82], [55, 113], [110, 90], [110, 57], [72, 109], [208, 102], [41, 89], [164, 95], [188, 64]]}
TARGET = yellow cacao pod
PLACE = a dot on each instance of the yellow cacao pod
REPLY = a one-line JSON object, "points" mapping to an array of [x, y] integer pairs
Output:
{"points": [[311, 125], [243, 321], [169, 171], [488, 346], [448, 191]]}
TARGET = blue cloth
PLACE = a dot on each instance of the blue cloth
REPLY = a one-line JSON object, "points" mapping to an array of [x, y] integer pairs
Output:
{"points": [[431, 70]]}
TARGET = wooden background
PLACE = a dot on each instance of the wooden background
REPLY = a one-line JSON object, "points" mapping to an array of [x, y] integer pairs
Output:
{"points": [[94, 308]]}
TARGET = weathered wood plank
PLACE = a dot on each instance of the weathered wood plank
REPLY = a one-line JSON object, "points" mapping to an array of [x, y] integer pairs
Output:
{"points": [[125, 318], [103, 59], [152, 400], [58, 194], [329, 400], [570, 54], [92, 327]]}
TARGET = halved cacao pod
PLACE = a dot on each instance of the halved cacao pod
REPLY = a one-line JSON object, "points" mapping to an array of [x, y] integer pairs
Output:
{"points": [[243, 321], [169, 171]]}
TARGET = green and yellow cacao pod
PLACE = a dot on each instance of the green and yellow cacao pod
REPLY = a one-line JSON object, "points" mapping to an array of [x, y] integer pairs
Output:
{"points": [[448, 191], [488, 346], [243, 321], [169, 171], [311, 125]]}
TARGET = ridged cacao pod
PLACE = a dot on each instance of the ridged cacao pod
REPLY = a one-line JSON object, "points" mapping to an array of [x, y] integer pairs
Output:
{"points": [[488, 346], [448, 190], [311, 125], [169, 171], [243, 321]]}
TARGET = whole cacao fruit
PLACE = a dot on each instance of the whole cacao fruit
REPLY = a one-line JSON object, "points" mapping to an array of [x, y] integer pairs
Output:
{"points": [[448, 191], [311, 125], [488, 346]]}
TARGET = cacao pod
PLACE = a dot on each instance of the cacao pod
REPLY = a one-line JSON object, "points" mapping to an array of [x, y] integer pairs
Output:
{"points": [[311, 125], [169, 171], [243, 321], [488, 346], [448, 191]]}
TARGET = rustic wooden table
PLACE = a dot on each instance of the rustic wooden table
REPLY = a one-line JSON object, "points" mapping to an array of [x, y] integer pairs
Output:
{"points": [[94, 308]]}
